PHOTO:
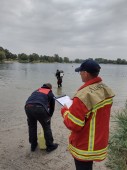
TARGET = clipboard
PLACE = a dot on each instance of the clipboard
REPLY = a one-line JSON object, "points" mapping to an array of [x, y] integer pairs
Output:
{"points": [[64, 100]]}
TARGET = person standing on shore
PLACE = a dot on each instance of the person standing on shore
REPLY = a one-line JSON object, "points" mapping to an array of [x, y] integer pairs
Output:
{"points": [[88, 117], [40, 107]]}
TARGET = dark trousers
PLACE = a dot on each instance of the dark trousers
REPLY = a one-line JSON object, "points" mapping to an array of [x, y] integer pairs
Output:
{"points": [[81, 165], [59, 82], [38, 113]]}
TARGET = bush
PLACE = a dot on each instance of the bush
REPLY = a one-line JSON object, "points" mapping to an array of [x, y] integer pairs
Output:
{"points": [[117, 153]]}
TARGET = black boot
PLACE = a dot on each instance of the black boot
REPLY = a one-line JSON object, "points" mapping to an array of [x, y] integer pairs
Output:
{"points": [[33, 146], [52, 147]]}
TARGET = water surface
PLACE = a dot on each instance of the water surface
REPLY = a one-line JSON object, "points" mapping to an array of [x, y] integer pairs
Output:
{"points": [[17, 81]]}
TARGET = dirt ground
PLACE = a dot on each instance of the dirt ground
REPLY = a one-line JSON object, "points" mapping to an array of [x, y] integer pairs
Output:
{"points": [[15, 151]]}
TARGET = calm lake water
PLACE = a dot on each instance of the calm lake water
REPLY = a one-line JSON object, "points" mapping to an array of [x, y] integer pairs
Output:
{"points": [[17, 81]]}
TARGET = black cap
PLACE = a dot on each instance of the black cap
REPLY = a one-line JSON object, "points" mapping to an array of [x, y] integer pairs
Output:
{"points": [[89, 65]]}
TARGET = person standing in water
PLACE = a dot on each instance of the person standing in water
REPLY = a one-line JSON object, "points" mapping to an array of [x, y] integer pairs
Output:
{"points": [[59, 75]]}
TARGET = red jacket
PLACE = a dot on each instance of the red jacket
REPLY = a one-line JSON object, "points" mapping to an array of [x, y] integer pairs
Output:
{"points": [[88, 119]]}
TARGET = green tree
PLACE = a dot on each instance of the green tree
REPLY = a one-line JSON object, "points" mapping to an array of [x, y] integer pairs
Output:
{"points": [[56, 57], [2, 56], [44, 58], [50, 59], [66, 59], [41, 58], [1, 49], [61, 60], [14, 56], [77, 60], [7, 54], [34, 57], [118, 61], [23, 57]]}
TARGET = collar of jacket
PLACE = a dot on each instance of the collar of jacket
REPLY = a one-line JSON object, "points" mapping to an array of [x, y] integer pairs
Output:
{"points": [[92, 81], [44, 90]]}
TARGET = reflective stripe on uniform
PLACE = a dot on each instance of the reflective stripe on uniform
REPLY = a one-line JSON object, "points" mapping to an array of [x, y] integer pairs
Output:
{"points": [[93, 157], [100, 105], [93, 122], [74, 119], [82, 123], [88, 155], [92, 132]]}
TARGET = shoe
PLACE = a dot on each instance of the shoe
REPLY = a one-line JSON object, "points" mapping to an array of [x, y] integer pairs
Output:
{"points": [[33, 147], [51, 148]]}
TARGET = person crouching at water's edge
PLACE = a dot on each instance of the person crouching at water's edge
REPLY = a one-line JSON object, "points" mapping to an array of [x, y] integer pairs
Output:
{"points": [[40, 107]]}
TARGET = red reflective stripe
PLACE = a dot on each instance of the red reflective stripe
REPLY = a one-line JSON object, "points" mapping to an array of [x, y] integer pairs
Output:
{"points": [[43, 90]]}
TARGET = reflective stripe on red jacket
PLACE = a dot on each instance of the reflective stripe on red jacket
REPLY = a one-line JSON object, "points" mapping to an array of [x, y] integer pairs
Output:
{"points": [[88, 120]]}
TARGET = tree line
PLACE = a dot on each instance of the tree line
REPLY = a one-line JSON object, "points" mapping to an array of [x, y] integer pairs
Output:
{"points": [[6, 55]]}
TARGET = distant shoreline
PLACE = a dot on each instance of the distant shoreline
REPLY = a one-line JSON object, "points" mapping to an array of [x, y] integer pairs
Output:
{"points": [[16, 61]]}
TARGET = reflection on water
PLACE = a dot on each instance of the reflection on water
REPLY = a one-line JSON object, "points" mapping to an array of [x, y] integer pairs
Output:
{"points": [[59, 91]]}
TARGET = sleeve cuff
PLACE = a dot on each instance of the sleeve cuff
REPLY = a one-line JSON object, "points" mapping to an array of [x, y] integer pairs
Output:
{"points": [[63, 110]]}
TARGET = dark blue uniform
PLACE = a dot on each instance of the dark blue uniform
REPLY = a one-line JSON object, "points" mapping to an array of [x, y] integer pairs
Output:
{"points": [[40, 107]]}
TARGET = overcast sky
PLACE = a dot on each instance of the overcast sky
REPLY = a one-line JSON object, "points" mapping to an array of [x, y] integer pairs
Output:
{"points": [[69, 28]]}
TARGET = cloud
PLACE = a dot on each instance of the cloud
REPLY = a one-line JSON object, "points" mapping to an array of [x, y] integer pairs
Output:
{"points": [[74, 28]]}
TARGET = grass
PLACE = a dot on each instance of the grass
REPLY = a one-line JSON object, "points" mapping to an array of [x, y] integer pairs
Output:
{"points": [[117, 153]]}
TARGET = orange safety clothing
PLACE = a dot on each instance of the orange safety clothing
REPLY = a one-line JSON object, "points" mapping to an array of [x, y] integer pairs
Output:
{"points": [[44, 90]]}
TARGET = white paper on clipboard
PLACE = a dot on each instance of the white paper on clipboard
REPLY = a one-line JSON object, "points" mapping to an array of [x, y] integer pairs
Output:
{"points": [[64, 100]]}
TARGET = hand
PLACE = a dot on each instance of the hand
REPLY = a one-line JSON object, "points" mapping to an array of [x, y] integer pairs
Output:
{"points": [[64, 109], [65, 106]]}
